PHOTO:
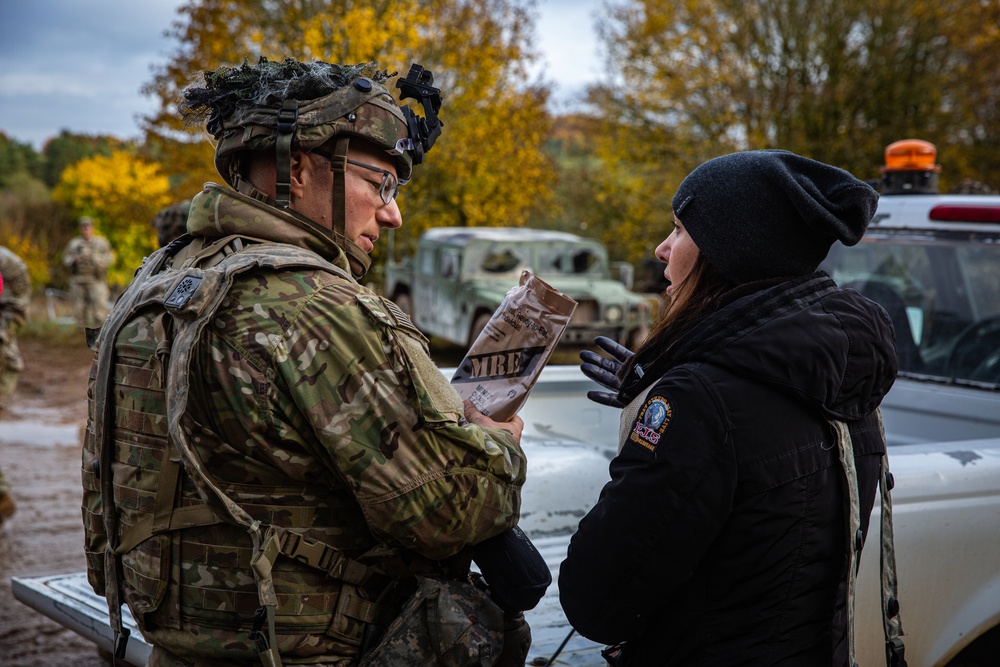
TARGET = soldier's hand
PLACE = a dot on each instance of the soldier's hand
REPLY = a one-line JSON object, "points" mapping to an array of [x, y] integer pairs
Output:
{"points": [[515, 426]]}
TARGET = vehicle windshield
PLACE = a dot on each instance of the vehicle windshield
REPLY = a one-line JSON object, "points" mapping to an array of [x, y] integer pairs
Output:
{"points": [[942, 293], [544, 258], [571, 259]]}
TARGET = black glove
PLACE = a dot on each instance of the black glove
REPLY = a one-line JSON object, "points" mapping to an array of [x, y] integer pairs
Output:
{"points": [[604, 371]]}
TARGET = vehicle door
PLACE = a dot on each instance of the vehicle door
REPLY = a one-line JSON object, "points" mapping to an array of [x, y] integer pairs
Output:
{"points": [[437, 297]]}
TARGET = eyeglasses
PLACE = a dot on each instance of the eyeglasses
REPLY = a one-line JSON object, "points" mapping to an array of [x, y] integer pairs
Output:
{"points": [[389, 187]]}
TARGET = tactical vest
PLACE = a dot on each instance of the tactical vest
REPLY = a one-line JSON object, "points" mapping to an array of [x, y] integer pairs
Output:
{"points": [[85, 266], [179, 550]]}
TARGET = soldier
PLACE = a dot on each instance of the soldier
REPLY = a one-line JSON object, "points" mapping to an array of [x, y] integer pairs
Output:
{"points": [[171, 222], [15, 295], [272, 458], [88, 257]]}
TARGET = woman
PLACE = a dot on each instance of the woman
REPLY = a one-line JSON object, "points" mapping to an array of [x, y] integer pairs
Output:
{"points": [[722, 537]]}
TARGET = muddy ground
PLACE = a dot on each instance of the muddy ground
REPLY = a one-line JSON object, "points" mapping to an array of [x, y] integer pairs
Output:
{"points": [[40, 456]]}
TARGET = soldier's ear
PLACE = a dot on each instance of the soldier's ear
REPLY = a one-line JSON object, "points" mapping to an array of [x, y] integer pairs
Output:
{"points": [[301, 173]]}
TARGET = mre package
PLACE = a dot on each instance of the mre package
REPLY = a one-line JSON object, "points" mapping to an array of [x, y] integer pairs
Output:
{"points": [[502, 365]]}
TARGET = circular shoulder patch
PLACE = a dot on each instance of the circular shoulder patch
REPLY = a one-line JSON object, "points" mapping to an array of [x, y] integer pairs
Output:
{"points": [[652, 422]]}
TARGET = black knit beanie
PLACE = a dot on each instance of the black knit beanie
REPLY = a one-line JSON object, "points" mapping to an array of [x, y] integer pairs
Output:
{"points": [[766, 214]]}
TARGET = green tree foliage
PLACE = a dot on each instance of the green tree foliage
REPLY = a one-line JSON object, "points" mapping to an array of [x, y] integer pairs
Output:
{"points": [[68, 148], [122, 193], [27, 216], [17, 158], [486, 169], [836, 80], [31, 225]]}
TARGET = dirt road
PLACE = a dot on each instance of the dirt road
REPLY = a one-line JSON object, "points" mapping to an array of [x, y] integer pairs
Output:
{"points": [[40, 455]]}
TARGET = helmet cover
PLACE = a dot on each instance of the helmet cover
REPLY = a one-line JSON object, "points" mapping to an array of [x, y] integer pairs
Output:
{"points": [[242, 109]]}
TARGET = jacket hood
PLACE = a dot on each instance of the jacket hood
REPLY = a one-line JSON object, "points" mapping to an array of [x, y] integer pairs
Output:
{"points": [[218, 211], [830, 347]]}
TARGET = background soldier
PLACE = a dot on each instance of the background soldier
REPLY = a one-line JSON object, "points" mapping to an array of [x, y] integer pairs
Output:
{"points": [[15, 296], [88, 257], [309, 432], [171, 222]]}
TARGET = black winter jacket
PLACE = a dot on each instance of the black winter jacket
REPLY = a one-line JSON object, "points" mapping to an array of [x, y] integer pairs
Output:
{"points": [[722, 537]]}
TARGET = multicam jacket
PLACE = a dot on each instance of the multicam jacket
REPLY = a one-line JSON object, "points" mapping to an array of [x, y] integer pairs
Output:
{"points": [[312, 404], [16, 294], [14, 301]]}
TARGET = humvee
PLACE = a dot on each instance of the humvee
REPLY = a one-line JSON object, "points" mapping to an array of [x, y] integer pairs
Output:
{"points": [[459, 276]]}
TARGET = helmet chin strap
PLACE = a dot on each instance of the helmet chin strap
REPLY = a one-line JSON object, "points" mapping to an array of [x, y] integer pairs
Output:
{"points": [[287, 122], [358, 258]]}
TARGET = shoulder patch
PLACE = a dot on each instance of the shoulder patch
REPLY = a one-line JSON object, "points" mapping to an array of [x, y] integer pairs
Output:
{"points": [[388, 313], [652, 422], [374, 307], [397, 312]]}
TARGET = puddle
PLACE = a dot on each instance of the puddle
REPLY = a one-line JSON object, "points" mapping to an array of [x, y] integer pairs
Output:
{"points": [[40, 426]]}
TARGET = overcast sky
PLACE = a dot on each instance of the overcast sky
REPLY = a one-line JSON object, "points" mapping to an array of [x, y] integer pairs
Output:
{"points": [[79, 64]]}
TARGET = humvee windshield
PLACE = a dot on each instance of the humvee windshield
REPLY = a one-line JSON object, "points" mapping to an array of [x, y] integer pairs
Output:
{"points": [[544, 258]]}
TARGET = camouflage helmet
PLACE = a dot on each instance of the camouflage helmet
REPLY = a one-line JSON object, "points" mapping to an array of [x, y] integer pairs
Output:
{"points": [[313, 102], [293, 106], [171, 222]]}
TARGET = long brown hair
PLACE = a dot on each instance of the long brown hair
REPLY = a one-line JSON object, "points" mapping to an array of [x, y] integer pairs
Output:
{"points": [[701, 292]]}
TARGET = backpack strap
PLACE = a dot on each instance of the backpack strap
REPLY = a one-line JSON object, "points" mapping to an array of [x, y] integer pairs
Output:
{"points": [[193, 303], [855, 536], [103, 385], [892, 626]]}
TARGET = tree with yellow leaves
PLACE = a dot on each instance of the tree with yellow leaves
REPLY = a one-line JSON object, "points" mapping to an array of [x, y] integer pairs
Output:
{"points": [[121, 193], [486, 169], [834, 80]]}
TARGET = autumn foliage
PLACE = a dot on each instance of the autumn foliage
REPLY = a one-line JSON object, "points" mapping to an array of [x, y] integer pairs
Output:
{"points": [[121, 193], [835, 80], [683, 81], [487, 168]]}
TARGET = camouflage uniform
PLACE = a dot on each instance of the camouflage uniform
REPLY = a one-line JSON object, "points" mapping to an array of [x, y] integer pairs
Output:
{"points": [[14, 300], [314, 405], [88, 262]]}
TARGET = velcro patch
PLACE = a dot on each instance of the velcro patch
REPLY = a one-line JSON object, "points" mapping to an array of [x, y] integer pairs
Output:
{"points": [[652, 422], [183, 292], [374, 306], [388, 313]]}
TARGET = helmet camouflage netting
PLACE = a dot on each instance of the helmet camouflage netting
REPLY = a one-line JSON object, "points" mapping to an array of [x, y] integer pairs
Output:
{"points": [[243, 107]]}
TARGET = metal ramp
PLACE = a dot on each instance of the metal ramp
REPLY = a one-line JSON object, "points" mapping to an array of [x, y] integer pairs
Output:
{"points": [[69, 600]]}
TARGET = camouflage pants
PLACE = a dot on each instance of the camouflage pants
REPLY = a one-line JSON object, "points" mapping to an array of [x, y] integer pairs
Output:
{"points": [[161, 657], [10, 365], [90, 302]]}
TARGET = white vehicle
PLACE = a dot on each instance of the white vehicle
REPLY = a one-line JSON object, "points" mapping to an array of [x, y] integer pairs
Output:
{"points": [[933, 261]]}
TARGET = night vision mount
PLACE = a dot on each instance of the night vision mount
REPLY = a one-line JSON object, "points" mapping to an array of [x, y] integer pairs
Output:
{"points": [[425, 130]]}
